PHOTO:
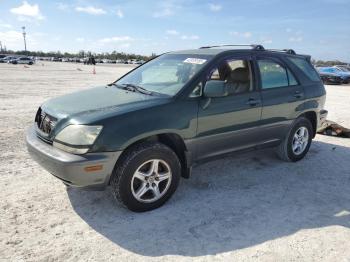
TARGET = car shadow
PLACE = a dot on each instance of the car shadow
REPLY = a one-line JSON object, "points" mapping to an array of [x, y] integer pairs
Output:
{"points": [[229, 204]]}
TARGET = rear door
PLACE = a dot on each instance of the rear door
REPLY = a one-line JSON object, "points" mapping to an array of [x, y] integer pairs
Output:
{"points": [[229, 123], [281, 94]]}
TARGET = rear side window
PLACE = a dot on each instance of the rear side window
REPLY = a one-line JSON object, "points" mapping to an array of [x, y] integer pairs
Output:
{"points": [[272, 74], [306, 67]]}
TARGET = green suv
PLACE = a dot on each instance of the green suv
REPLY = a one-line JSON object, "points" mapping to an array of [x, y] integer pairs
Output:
{"points": [[143, 132]]}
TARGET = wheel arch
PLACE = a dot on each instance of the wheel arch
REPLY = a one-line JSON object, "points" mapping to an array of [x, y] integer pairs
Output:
{"points": [[312, 117], [173, 141]]}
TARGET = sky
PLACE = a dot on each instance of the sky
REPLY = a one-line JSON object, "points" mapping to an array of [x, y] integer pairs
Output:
{"points": [[320, 28]]}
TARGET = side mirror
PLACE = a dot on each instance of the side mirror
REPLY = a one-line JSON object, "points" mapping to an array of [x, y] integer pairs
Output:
{"points": [[215, 88]]}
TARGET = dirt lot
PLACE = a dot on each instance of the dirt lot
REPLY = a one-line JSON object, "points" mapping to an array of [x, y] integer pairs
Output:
{"points": [[247, 207]]}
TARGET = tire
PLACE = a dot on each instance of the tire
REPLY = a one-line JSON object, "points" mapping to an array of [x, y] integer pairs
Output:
{"points": [[142, 159], [285, 150]]}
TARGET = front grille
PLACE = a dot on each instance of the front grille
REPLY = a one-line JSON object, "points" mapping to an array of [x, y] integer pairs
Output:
{"points": [[45, 122]]}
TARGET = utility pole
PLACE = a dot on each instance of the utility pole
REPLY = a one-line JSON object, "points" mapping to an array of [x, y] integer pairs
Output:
{"points": [[24, 38]]}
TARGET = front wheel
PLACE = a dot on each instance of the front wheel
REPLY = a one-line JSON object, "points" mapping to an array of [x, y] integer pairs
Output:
{"points": [[297, 142], [146, 176]]}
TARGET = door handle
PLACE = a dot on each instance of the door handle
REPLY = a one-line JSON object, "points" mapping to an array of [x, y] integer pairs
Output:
{"points": [[253, 102], [298, 94]]}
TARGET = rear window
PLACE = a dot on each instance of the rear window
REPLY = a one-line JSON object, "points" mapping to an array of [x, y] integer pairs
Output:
{"points": [[306, 67]]}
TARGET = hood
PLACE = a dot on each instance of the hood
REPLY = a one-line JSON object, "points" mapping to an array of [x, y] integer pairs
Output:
{"points": [[103, 98]]}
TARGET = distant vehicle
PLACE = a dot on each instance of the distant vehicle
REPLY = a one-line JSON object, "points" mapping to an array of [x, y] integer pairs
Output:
{"points": [[344, 68], [2, 56], [7, 59], [345, 76], [330, 78], [56, 59], [22, 60]]}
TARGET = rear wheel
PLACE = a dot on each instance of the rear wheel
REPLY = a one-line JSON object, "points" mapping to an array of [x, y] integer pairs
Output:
{"points": [[146, 176], [297, 142]]}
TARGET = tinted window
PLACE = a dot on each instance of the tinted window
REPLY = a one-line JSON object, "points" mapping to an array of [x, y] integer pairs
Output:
{"points": [[306, 67], [272, 74], [236, 73], [291, 78]]}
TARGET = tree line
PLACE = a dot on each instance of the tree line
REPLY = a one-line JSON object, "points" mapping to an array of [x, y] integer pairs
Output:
{"points": [[328, 63], [81, 54]]}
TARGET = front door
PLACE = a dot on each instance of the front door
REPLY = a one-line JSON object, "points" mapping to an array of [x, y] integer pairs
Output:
{"points": [[229, 123]]}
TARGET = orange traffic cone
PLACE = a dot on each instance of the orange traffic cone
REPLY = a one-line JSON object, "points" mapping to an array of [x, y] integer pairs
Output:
{"points": [[94, 71]]}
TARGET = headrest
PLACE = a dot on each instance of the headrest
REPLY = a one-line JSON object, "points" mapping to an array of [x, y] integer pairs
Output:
{"points": [[240, 74]]}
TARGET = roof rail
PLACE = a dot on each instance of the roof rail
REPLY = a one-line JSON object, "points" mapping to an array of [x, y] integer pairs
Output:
{"points": [[288, 51], [254, 47]]}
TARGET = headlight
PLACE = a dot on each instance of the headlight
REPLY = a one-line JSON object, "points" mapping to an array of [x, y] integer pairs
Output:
{"points": [[77, 138]]}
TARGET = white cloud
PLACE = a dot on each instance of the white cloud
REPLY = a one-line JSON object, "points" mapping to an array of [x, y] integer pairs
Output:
{"points": [[57, 38], [215, 7], [62, 6], [267, 41], [80, 39], [295, 39], [289, 30], [27, 11], [247, 34], [172, 32], [3, 25], [11, 36], [120, 13], [90, 10], [115, 39], [190, 37], [241, 34], [163, 13], [14, 40]]}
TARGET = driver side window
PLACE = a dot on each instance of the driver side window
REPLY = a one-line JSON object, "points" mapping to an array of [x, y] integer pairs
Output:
{"points": [[237, 75]]}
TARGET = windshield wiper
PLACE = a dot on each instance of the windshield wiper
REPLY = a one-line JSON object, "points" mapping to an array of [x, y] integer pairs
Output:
{"points": [[132, 88], [140, 89]]}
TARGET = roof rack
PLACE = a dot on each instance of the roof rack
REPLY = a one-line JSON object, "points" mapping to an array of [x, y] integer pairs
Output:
{"points": [[254, 47], [288, 51]]}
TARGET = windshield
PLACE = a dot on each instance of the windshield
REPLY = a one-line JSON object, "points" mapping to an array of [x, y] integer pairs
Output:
{"points": [[166, 74]]}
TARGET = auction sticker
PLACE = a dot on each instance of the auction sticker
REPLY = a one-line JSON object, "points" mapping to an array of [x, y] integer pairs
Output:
{"points": [[197, 61]]}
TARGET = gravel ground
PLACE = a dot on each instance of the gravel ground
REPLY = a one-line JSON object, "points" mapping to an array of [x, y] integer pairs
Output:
{"points": [[244, 207]]}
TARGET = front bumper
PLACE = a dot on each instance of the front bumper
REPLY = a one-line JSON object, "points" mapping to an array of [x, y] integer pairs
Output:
{"points": [[73, 170]]}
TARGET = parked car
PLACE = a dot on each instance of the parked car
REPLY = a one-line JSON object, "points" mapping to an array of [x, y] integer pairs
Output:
{"points": [[56, 59], [144, 131], [345, 76], [6, 59], [22, 60], [344, 68], [330, 78]]}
